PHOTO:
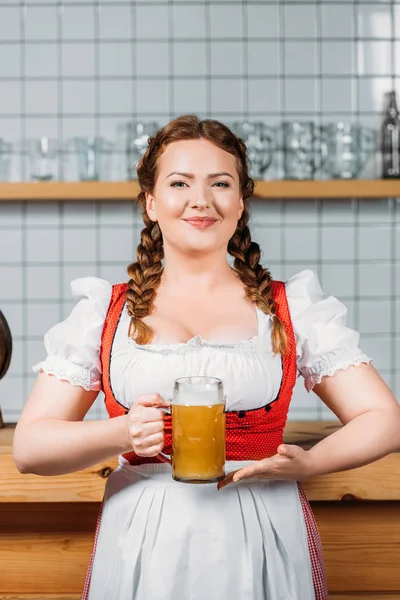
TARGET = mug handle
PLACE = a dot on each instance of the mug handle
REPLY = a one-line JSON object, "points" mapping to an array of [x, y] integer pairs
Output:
{"points": [[165, 458]]}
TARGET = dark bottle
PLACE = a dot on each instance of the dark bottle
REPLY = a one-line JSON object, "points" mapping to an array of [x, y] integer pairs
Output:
{"points": [[391, 140]]}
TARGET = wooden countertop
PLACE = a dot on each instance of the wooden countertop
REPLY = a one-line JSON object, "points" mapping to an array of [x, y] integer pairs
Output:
{"points": [[378, 481]]}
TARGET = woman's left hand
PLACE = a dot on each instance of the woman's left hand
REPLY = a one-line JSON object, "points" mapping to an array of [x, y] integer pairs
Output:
{"points": [[290, 462]]}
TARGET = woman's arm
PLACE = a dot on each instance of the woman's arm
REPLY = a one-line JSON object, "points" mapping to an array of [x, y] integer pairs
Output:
{"points": [[51, 438], [370, 413]]}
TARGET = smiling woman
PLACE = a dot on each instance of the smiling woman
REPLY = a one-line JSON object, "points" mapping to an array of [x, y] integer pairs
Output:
{"points": [[185, 311]]}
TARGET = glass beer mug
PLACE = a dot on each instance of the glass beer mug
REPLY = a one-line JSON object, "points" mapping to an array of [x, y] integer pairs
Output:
{"points": [[198, 430]]}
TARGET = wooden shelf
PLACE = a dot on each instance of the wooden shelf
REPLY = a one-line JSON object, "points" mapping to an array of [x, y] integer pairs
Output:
{"points": [[128, 190]]}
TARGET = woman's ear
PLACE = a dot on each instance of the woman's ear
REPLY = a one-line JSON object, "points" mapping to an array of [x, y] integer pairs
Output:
{"points": [[241, 208], [150, 207]]}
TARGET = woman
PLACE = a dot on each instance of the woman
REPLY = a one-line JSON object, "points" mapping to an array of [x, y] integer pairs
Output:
{"points": [[187, 311]]}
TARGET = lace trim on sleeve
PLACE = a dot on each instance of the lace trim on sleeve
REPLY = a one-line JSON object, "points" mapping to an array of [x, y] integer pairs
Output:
{"points": [[330, 363], [66, 370]]}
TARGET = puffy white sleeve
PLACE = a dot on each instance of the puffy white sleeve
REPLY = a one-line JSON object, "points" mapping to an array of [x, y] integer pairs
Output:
{"points": [[73, 345], [324, 343]]}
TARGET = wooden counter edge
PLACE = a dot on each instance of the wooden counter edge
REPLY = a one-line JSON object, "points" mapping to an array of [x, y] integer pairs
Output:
{"points": [[376, 482]]}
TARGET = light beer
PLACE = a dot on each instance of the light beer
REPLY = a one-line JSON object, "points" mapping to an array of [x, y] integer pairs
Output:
{"points": [[198, 442]]}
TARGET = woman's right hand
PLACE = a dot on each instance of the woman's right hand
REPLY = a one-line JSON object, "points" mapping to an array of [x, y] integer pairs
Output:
{"points": [[146, 424]]}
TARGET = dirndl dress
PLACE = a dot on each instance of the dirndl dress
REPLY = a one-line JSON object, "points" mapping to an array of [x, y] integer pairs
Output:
{"points": [[159, 539]]}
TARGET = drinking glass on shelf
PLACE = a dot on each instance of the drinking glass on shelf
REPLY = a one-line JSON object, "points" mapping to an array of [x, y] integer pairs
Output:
{"points": [[198, 430], [133, 137], [43, 154], [304, 149], [93, 158], [5, 159], [350, 146], [259, 140]]}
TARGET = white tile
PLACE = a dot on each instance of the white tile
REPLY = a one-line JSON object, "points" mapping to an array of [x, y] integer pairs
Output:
{"points": [[41, 60], [337, 212], [375, 280], [10, 60], [396, 15], [337, 21], [152, 96], [37, 127], [189, 96], [226, 95], [116, 59], [14, 315], [338, 243], [10, 283], [41, 23], [189, 21], [263, 58], [42, 245], [41, 317], [43, 282], [338, 280], [300, 21], [152, 59], [226, 58], [16, 363], [10, 23], [372, 91], [189, 58], [78, 23], [374, 243], [337, 95], [152, 22], [78, 127], [338, 58], [116, 213], [116, 245], [36, 352], [115, 96], [300, 58], [263, 20], [41, 97], [225, 21], [77, 59], [266, 213], [301, 243], [296, 414], [79, 245], [301, 95], [374, 316], [374, 20], [10, 245], [115, 273], [290, 269], [264, 95], [302, 399], [12, 396], [270, 242], [78, 96], [379, 349], [42, 213], [115, 22], [298, 211], [10, 97], [374, 58]]}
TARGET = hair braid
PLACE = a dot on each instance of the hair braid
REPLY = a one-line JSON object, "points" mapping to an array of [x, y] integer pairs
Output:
{"points": [[145, 276], [256, 278]]}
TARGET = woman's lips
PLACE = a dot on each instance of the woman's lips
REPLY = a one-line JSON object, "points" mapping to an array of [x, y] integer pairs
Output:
{"points": [[200, 223]]}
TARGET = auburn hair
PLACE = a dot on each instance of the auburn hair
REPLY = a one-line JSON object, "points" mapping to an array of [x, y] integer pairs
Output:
{"points": [[145, 273]]}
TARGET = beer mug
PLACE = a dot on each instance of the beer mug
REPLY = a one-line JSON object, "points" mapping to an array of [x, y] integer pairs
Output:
{"points": [[198, 430]]}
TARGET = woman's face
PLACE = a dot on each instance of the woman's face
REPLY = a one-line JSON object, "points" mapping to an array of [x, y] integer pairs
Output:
{"points": [[197, 198]]}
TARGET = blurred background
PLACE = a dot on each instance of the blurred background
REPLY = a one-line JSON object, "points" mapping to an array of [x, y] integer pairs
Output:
{"points": [[306, 84]]}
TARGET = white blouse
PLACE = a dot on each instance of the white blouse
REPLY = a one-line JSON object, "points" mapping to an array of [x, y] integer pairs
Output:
{"points": [[250, 372]]}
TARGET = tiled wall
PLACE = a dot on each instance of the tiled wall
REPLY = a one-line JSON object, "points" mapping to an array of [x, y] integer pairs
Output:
{"points": [[83, 68]]}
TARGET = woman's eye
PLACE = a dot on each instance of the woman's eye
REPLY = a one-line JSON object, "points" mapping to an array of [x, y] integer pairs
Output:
{"points": [[224, 183]]}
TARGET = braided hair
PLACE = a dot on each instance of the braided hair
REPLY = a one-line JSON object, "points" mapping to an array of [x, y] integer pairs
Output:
{"points": [[145, 273]]}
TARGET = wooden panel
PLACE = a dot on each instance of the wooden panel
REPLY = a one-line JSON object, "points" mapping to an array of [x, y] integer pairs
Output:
{"points": [[128, 190], [361, 544], [50, 544]]}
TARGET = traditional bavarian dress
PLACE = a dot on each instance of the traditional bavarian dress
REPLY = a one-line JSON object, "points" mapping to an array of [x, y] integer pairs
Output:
{"points": [[158, 539]]}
